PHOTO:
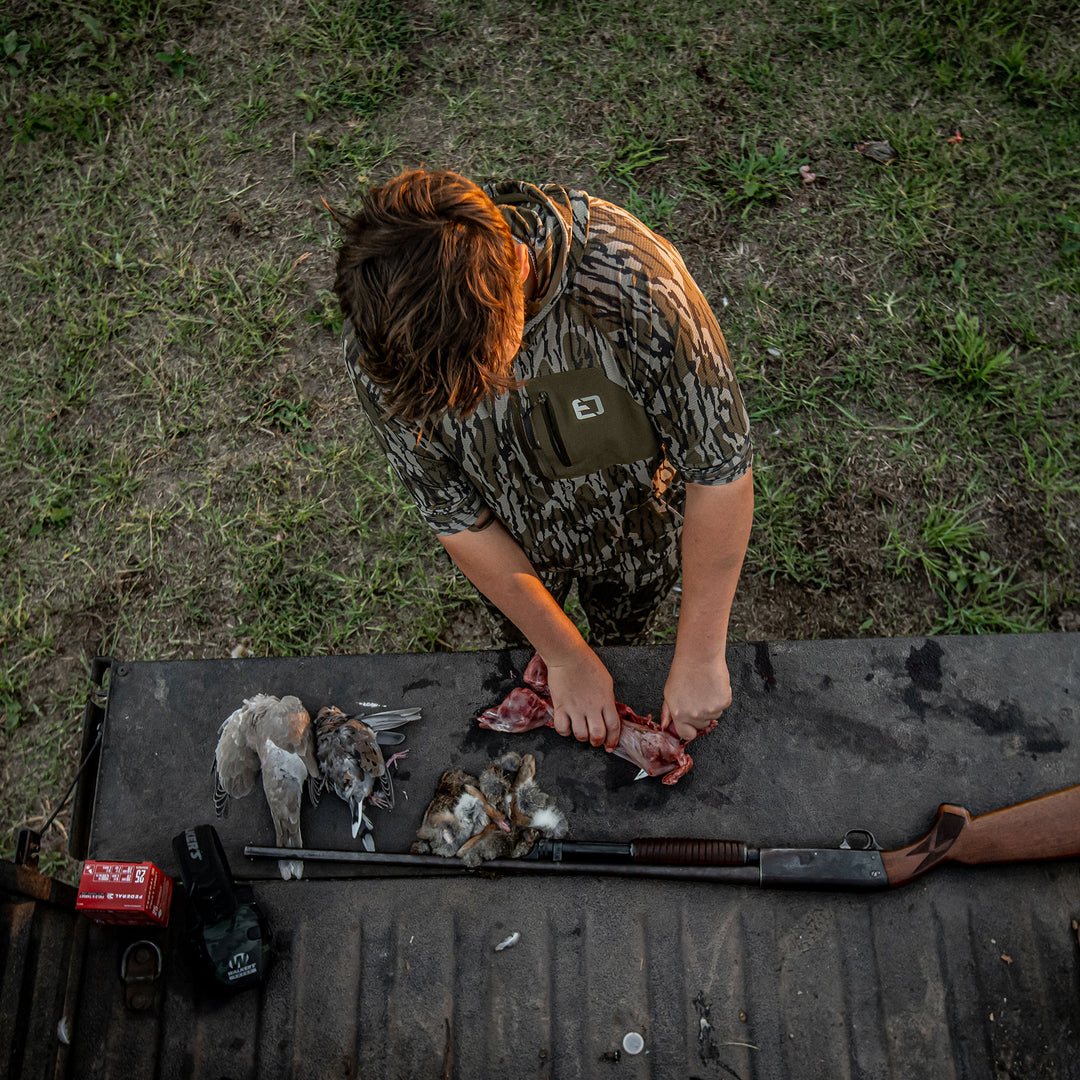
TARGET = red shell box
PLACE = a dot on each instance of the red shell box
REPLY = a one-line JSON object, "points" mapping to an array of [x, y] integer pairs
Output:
{"points": [[125, 894]]}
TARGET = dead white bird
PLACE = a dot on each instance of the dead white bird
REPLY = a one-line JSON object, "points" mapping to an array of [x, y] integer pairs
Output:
{"points": [[351, 762], [272, 736]]}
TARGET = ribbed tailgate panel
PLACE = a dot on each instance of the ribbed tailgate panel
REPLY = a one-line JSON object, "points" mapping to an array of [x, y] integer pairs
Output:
{"points": [[401, 979]]}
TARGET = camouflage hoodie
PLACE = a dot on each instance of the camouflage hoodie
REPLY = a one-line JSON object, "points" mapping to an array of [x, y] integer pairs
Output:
{"points": [[622, 363]]}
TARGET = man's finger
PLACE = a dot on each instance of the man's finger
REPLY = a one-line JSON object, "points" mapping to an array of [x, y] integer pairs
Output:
{"points": [[614, 730], [582, 728], [665, 716], [686, 731], [597, 729]]}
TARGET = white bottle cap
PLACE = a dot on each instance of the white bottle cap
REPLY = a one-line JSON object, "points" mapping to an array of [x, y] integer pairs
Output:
{"points": [[633, 1043]]}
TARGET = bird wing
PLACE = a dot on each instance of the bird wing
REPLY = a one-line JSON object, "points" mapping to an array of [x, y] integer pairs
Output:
{"points": [[235, 760], [341, 767], [306, 750], [388, 718], [283, 776], [287, 724], [366, 749]]}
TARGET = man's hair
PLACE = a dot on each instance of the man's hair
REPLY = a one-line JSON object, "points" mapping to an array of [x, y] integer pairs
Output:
{"points": [[428, 277]]}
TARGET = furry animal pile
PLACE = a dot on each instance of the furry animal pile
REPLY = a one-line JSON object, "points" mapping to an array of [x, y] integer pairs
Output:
{"points": [[500, 814]]}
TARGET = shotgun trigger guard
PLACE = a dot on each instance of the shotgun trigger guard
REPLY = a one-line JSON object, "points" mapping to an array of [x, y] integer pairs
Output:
{"points": [[859, 840]]}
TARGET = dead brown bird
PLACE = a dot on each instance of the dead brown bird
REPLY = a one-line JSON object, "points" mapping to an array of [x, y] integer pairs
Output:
{"points": [[351, 760]]}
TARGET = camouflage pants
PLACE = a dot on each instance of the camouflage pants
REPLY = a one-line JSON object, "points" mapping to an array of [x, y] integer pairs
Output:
{"points": [[620, 607]]}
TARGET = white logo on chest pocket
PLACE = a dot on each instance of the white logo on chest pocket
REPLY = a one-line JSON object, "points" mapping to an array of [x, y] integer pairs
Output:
{"points": [[585, 408]]}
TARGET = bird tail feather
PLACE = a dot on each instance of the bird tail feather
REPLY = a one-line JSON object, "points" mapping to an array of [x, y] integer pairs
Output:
{"points": [[291, 868]]}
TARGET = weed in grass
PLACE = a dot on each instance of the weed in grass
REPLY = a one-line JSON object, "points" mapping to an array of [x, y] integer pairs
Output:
{"points": [[355, 151], [357, 91], [253, 112], [778, 543], [965, 358], [325, 313], [16, 50], [633, 154], [752, 178], [177, 59], [363, 48], [84, 115], [952, 528], [367, 26], [943, 527], [981, 598], [278, 413], [977, 594], [758, 74], [1067, 225]]}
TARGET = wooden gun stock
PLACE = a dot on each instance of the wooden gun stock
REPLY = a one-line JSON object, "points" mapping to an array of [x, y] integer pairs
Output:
{"points": [[1044, 828]]}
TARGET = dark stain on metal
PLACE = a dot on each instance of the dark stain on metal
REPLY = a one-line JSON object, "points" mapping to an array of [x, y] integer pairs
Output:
{"points": [[914, 701], [493, 743], [763, 665], [504, 675], [651, 794], [924, 666], [715, 797], [865, 739], [1039, 735], [420, 684], [571, 792]]}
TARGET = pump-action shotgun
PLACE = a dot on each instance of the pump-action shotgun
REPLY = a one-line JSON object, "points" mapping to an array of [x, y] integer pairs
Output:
{"points": [[1044, 828]]}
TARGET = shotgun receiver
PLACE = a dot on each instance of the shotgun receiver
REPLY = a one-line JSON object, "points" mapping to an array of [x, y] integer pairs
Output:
{"points": [[1044, 828]]}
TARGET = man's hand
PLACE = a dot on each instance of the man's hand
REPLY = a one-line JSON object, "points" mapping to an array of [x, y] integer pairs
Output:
{"points": [[695, 695], [584, 700]]}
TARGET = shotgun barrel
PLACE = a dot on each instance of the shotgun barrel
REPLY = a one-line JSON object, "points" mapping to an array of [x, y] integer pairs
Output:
{"points": [[1047, 827]]}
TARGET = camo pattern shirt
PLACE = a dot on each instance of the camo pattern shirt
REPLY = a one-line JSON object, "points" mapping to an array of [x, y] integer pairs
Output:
{"points": [[614, 295]]}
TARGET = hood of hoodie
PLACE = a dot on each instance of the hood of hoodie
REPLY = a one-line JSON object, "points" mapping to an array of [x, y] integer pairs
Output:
{"points": [[554, 222]]}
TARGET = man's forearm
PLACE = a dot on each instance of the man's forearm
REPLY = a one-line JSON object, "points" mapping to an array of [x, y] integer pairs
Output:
{"points": [[494, 562], [716, 530]]}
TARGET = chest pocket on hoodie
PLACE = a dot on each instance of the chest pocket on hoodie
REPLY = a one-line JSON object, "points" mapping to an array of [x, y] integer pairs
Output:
{"points": [[578, 422]]}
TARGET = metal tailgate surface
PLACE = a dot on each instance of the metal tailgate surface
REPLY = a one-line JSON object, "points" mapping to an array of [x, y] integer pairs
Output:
{"points": [[968, 972]]}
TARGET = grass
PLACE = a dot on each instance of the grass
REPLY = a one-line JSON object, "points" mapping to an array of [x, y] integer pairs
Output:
{"points": [[185, 472]]}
